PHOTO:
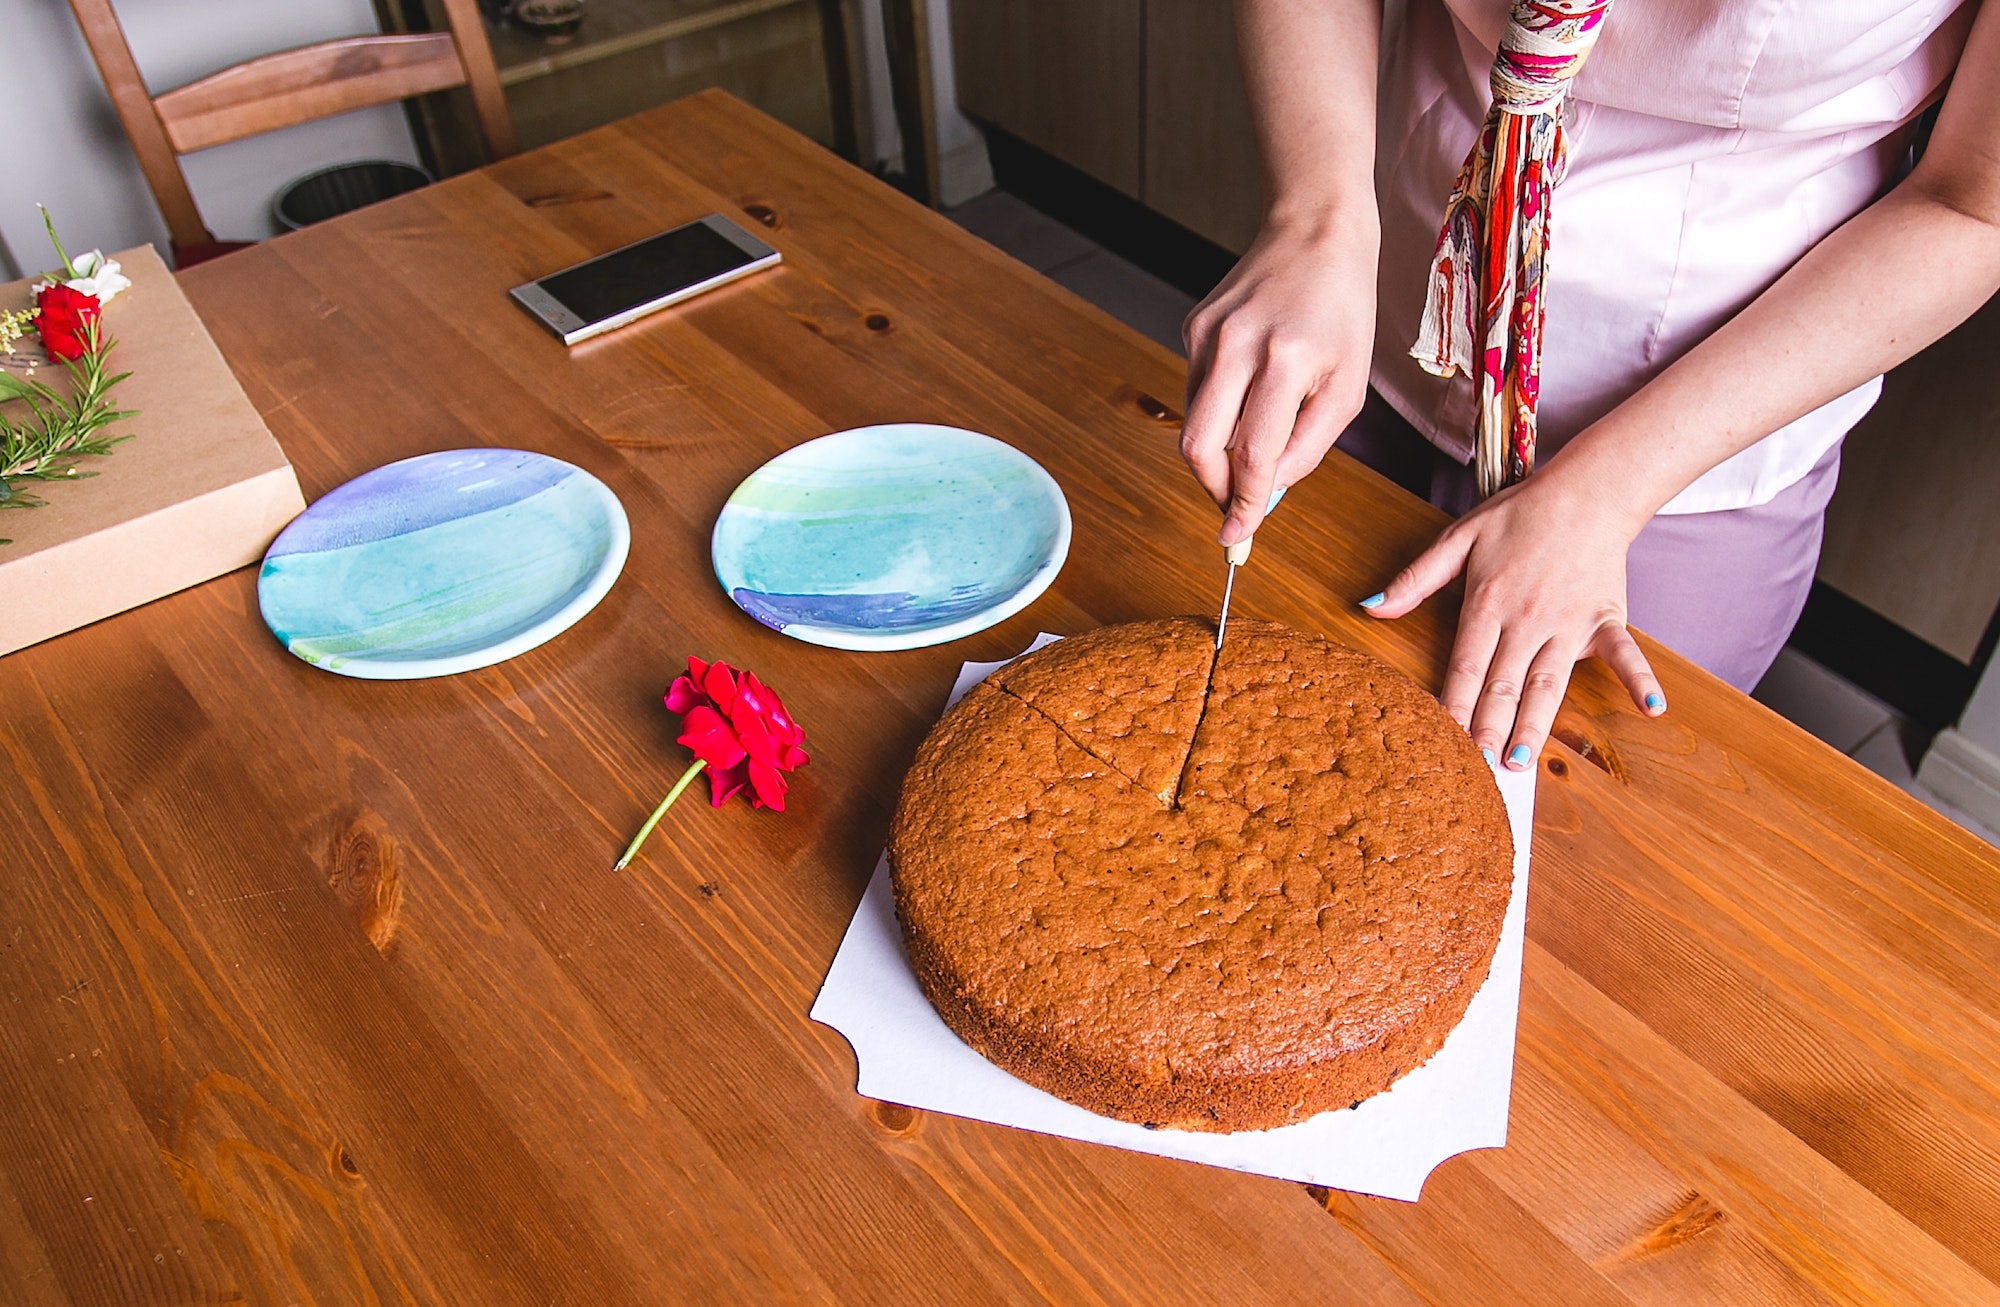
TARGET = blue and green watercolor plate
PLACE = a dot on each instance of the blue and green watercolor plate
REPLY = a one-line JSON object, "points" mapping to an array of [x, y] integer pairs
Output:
{"points": [[891, 537], [442, 563]]}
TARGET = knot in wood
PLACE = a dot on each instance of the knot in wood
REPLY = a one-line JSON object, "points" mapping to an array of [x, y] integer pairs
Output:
{"points": [[894, 1118], [1598, 754], [364, 869]]}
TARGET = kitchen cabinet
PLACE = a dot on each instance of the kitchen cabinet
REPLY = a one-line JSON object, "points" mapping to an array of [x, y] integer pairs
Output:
{"points": [[1914, 530], [1143, 95], [1062, 76], [1200, 151]]}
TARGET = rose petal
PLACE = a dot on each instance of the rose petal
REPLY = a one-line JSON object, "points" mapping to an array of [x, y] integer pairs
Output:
{"points": [[770, 705], [720, 683], [755, 737], [726, 782], [704, 731], [768, 787], [683, 695]]}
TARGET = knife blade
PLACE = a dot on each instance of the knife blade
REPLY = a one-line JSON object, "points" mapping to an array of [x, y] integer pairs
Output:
{"points": [[1235, 556]]}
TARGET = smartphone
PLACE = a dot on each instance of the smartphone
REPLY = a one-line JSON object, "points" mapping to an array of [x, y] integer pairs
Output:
{"points": [[616, 288]]}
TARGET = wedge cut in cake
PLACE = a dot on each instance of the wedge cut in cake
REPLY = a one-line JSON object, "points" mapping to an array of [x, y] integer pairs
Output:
{"points": [[1201, 892], [1130, 695]]}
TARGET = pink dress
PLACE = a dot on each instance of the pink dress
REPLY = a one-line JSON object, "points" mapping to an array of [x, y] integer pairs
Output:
{"points": [[1712, 143]]}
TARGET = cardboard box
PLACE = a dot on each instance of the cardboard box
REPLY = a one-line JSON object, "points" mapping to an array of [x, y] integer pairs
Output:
{"points": [[201, 488]]}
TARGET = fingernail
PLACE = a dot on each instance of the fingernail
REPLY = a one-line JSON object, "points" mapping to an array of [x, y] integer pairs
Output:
{"points": [[1488, 755], [1518, 756], [1232, 530], [1656, 700], [1373, 601]]}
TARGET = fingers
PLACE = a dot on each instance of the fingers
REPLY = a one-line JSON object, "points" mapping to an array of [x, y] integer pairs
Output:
{"points": [[1499, 688], [1324, 415], [1431, 572], [1621, 653], [1214, 403], [1541, 697], [1542, 688], [1472, 652], [1270, 412]]}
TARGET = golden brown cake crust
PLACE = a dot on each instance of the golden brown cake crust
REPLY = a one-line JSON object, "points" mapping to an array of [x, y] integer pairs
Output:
{"points": [[1130, 695], [1303, 921]]}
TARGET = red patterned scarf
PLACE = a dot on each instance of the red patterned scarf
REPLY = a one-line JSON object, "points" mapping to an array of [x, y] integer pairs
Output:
{"points": [[1486, 276]]}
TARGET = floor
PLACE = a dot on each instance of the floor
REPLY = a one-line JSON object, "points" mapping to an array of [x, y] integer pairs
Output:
{"points": [[1830, 707]]}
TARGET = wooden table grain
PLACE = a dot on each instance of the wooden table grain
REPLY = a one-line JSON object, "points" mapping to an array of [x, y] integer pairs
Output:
{"points": [[316, 990]]}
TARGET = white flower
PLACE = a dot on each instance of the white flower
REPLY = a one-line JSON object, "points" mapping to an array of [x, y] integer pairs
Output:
{"points": [[99, 276], [95, 275]]}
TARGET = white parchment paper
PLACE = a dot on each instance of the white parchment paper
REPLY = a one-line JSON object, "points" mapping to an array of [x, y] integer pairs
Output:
{"points": [[1455, 1102]]}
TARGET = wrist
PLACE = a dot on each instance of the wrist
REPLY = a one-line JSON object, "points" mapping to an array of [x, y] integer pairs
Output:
{"points": [[1593, 489], [1324, 215]]}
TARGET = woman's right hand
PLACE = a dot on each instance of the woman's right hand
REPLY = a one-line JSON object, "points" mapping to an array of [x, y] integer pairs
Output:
{"points": [[1278, 359]]}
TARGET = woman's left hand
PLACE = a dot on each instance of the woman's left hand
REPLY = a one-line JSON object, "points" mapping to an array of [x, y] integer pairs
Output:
{"points": [[1544, 565]]}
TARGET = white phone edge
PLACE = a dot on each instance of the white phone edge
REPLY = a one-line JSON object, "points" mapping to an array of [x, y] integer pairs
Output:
{"points": [[570, 329]]}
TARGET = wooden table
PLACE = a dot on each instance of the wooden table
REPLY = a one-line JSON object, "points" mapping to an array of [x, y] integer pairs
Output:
{"points": [[321, 990]]}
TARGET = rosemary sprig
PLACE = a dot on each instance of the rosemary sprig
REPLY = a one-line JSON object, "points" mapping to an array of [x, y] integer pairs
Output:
{"points": [[47, 441]]}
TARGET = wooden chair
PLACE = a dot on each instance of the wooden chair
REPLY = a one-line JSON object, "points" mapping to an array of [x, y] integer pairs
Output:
{"points": [[280, 90]]}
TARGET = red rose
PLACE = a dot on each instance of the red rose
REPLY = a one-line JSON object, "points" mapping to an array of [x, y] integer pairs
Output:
{"points": [[67, 321], [741, 736], [739, 728]]}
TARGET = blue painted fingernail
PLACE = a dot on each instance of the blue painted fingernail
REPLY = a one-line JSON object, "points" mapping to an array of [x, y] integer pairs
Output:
{"points": [[1518, 756], [1488, 755], [1373, 601], [1656, 700]]}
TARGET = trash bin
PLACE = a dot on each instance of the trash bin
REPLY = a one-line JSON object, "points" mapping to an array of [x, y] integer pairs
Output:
{"points": [[343, 188]]}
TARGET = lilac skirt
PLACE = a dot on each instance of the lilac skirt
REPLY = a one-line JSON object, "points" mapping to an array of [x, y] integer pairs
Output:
{"points": [[1723, 589]]}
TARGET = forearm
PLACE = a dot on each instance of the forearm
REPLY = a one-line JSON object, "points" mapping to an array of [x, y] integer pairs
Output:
{"points": [[1899, 275], [1309, 71]]}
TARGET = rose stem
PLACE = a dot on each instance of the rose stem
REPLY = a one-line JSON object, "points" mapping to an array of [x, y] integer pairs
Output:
{"points": [[687, 779]]}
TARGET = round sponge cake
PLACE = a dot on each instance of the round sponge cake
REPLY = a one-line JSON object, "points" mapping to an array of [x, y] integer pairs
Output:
{"points": [[1201, 892]]}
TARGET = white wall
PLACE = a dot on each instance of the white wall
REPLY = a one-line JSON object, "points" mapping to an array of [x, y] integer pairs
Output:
{"points": [[65, 147]]}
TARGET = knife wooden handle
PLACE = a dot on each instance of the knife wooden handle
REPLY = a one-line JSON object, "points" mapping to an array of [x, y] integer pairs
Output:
{"points": [[1239, 553]]}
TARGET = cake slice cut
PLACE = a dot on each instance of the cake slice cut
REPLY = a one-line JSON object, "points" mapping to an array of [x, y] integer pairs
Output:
{"points": [[1130, 696]]}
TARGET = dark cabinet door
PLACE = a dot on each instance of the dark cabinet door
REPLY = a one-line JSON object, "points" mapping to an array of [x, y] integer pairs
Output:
{"points": [[1200, 151], [1061, 75]]}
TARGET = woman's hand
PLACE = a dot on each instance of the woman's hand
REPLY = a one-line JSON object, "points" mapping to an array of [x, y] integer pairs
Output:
{"points": [[1544, 565], [1278, 360]]}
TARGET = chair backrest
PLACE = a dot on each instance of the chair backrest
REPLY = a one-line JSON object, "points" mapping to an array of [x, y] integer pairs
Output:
{"points": [[279, 90]]}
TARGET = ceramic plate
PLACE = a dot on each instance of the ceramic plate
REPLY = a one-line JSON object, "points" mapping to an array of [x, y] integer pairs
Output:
{"points": [[442, 563], [891, 537]]}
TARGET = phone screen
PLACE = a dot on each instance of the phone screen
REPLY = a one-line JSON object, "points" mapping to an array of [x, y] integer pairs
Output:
{"points": [[642, 273]]}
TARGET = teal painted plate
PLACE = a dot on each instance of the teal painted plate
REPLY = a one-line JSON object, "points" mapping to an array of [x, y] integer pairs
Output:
{"points": [[891, 537], [442, 563]]}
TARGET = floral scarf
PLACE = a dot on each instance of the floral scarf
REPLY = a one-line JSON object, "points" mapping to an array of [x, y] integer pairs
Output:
{"points": [[1486, 276]]}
